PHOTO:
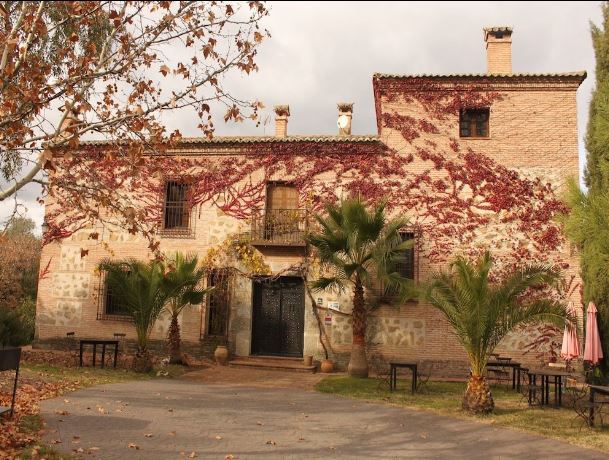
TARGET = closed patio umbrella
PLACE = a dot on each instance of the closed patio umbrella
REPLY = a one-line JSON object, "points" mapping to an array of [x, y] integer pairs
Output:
{"points": [[593, 351], [570, 344]]}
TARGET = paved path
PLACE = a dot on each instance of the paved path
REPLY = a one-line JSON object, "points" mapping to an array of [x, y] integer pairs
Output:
{"points": [[238, 422]]}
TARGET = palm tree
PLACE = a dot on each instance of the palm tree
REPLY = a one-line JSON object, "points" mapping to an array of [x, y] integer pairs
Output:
{"points": [[143, 291], [184, 278], [483, 313], [357, 248]]}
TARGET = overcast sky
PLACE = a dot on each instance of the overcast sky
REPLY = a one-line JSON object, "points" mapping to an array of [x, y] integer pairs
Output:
{"points": [[322, 53]]}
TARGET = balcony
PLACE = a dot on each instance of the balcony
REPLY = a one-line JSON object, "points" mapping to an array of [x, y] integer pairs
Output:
{"points": [[280, 227]]}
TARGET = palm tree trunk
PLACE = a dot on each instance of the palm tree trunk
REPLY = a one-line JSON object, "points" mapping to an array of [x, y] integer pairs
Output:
{"points": [[478, 398], [358, 364], [142, 361], [173, 336]]}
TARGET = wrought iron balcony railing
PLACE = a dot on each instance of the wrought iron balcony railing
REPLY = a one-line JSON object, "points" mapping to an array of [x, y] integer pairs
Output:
{"points": [[280, 227]]}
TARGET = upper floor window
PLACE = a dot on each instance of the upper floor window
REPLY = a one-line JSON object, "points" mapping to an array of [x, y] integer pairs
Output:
{"points": [[176, 209], [474, 122]]}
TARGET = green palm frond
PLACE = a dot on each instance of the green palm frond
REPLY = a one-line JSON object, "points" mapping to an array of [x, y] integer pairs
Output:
{"points": [[183, 279], [355, 243], [481, 313], [142, 289]]}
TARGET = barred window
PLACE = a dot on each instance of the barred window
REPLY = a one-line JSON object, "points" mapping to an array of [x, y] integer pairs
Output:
{"points": [[111, 302], [474, 122], [217, 302], [406, 267], [176, 211]]}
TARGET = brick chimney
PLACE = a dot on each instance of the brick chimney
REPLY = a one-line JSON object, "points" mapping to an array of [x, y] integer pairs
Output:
{"points": [[282, 113], [498, 50], [345, 114]]}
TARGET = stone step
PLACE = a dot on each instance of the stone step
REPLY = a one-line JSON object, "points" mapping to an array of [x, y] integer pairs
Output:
{"points": [[273, 364]]}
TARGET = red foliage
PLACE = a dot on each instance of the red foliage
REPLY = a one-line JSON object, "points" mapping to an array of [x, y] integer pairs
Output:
{"points": [[451, 193]]}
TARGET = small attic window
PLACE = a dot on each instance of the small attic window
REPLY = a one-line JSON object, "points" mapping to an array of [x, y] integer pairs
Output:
{"points": [[474, 123]]}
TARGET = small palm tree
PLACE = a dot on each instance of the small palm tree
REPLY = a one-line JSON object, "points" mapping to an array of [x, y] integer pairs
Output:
{"points": [[143, 291], [483, 313], [357, 248], [184, 279]]}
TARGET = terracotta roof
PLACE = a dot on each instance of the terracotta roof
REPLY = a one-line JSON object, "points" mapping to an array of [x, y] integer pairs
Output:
{"points": [[580, 74], [262, 139]]}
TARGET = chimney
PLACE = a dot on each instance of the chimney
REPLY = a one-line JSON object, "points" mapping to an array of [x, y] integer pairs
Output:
{"points": [[345, 114], [282, 112], [498, 50]]}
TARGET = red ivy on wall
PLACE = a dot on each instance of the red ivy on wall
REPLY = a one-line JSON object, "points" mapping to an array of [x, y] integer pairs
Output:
{"points": [[453, 194]]}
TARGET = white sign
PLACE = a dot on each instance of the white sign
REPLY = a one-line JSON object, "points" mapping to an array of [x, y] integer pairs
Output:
{"points": [[334, 306]]}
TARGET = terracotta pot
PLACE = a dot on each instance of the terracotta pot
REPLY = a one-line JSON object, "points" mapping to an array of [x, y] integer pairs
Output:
{"points": [[327, 366], [221, 355], [308, 360]]}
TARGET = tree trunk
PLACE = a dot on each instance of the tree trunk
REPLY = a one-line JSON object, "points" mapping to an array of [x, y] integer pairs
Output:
{"points": [[358, 364], [173, 337], [478, 398], [142, 361]]}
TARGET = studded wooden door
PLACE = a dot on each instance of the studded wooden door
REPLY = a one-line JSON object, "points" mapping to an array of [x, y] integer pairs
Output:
{"points": [[278, 317]]}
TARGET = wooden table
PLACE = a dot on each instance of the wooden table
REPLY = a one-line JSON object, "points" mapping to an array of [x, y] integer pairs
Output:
{"points": [[508, 363], [104, 344], [545, 376], [393, 378], [594, 390]]}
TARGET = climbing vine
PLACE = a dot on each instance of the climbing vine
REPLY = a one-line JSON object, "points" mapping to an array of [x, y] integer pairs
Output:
{"points": [[460, 199]]}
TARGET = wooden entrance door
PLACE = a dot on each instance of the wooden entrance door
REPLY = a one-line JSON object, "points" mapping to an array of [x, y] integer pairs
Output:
{"points": [[278, 317]]}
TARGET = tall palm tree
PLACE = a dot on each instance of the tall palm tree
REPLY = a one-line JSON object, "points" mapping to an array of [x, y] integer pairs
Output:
{"points": [[356, 248], [483, 313], [143, 291], [184, 278]]}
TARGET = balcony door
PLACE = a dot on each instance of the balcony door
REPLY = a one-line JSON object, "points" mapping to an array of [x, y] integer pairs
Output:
{"points": [[281, 217]]}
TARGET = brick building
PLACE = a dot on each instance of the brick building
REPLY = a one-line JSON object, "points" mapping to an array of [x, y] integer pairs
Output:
{"points": [[528, 125]]}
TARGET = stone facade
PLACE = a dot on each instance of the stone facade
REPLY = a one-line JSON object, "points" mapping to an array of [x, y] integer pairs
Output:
{"points": [[533, 129]]}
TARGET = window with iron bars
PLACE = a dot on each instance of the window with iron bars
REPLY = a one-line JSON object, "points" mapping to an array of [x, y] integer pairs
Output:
{"points": [[407, 266], [111, 306], [176, 210], [218, 302]]}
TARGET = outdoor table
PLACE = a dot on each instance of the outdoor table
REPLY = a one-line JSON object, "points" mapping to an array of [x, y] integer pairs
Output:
{"points": [[95, 343], [594, 390], [545, 375], [506, 362], [394, 374]]}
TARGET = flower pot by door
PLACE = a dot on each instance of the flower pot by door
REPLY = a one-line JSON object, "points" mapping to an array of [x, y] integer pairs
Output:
{"points": [[308, 360], [221, 355], [327, 366]]}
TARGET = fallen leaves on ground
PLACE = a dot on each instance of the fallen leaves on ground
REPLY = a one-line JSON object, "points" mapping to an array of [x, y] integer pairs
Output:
{"points": [[13, 437]]}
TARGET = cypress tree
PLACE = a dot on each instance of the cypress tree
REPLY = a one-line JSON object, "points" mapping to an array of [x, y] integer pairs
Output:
{"points": [[588, 223]]}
